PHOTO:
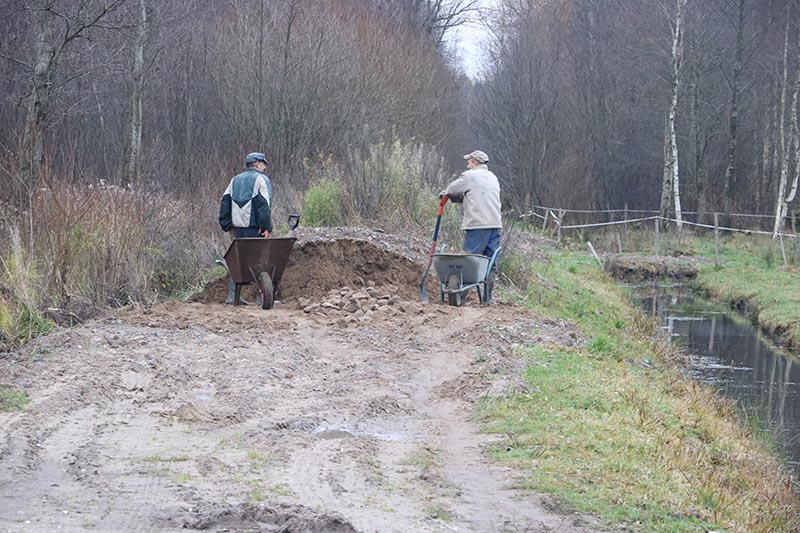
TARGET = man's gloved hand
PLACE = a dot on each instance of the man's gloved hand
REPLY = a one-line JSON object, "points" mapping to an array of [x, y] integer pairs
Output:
{"points": [[442, 194]]}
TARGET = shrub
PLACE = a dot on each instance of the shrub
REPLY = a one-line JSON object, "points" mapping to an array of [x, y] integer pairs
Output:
{"points": [[21, 294], [323, 204], [396, 182], [392, 183]]}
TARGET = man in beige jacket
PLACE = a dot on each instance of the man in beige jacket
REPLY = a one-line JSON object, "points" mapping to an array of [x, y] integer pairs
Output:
{"points": [[479, 190]]}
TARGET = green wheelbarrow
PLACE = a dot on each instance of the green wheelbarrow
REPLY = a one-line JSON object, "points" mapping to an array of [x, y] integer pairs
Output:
{"points": [[458, 273]]}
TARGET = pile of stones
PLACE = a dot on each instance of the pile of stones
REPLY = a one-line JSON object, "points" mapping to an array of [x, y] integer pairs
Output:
{"points": [[349, 306]]}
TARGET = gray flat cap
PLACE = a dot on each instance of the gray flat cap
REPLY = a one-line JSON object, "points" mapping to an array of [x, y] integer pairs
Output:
{"points": [[478, 156]]}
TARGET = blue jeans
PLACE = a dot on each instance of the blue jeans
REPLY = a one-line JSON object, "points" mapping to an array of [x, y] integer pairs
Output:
{"points": [[482, 241]]}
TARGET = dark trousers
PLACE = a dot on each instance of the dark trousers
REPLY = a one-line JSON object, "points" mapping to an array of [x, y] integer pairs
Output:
{"points": [[239, 233]]}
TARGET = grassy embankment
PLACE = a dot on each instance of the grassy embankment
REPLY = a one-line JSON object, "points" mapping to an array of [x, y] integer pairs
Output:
{"points": [[615, 429], [752, 276]]}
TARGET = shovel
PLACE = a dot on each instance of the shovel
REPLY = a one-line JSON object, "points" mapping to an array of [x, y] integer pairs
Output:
{"points": [[423, 292]]}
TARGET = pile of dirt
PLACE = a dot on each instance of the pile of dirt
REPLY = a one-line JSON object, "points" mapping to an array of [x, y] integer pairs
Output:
{"points": [[326, 259], [318, 267]]}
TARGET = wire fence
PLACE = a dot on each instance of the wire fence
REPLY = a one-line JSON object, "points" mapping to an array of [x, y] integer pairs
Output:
{"points": [[555, 218], [556, 215]]}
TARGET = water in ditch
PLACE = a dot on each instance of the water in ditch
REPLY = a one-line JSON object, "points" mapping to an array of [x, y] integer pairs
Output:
{"points": [[727, 352]]}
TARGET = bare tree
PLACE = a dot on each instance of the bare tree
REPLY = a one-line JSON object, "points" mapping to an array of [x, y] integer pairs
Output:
{"points": [[132, 132], [433, 19], [57, 30]]}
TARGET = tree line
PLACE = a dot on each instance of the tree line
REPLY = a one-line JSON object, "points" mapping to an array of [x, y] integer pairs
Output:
{"points": [[673, 105], [132, 90], [677, 105]]}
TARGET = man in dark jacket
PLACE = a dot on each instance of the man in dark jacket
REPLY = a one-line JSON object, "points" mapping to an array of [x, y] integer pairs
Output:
{"points": [[246, 206]]}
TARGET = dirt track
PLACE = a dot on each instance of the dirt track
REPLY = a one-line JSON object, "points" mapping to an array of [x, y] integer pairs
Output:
{"points": [[197, 416]]}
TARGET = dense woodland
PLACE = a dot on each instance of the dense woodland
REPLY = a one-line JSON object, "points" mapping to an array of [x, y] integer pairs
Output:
{"points": [[674, 105]]}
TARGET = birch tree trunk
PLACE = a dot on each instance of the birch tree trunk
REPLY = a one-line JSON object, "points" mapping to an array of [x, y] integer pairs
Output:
{"points": [[677, 64], [792, 151], [671, 182], [132, 138], [666, 179], [794, 132], [785, 150]]}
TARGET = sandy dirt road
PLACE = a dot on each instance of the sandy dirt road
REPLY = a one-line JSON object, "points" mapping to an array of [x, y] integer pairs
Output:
{"points": [[197, 416]]}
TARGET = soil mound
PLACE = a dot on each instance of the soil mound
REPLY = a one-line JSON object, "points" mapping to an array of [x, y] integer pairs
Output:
{"points": [[325, 259]]}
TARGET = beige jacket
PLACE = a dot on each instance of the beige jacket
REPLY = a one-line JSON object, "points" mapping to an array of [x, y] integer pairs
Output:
{"points": [[481, 192]]}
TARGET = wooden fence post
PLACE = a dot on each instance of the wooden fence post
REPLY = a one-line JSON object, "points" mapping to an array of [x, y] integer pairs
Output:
{"points": [[783, 250], [591, 248], [624, 229], [658, 230], [558, 227], [716, 238]]}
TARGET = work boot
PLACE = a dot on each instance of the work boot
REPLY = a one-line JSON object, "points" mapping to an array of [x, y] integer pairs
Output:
{"points": [[232, 295], [490, 285]]}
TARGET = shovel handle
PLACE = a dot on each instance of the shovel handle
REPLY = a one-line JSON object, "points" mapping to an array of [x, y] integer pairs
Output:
{"points": [[423, 293], [436, 229]]}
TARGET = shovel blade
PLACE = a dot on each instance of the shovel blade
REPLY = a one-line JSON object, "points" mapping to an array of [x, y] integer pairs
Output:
{"points": [[423, 290]]}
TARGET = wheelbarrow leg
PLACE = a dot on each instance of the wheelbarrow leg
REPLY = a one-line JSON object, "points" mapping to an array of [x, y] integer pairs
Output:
{"points": [[238, 291]]}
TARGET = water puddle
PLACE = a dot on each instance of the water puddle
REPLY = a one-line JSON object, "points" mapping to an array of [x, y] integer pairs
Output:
{"points": [[331, 434], [728, 353]]}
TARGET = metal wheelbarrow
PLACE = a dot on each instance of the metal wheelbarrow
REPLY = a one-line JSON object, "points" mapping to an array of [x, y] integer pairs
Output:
{"points": [[458, 273], [260, 261]]}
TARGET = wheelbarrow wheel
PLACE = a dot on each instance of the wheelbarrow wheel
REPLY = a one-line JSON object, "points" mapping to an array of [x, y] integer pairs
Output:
{"points": [[454, 284], [266, 291]]}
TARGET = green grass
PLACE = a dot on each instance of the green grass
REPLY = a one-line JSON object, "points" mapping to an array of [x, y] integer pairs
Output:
{"points": [[12, 400], [424, 458], [768, 290], [21, 323], [439, 511], [257, 460], [279, 489], [256, 494], [634, 443]]}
